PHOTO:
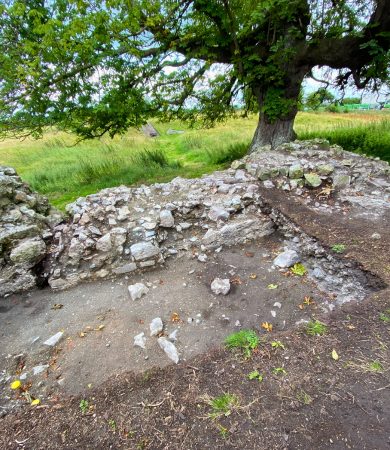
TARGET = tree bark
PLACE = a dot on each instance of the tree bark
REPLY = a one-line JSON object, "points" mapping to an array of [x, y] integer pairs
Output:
{"points": [[273, 134], [278, 129]]}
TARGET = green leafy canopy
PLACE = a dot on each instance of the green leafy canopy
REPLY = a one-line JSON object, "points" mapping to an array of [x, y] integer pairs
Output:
{"points": [[101, 67]]}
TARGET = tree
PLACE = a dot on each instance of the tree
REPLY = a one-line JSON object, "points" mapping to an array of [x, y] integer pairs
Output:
{"points": [[351, 101], [318, 98], [100, 67]]}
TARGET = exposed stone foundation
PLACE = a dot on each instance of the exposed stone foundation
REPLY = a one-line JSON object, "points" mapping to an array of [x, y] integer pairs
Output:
{"points": [[120, 230], [26, 221]]}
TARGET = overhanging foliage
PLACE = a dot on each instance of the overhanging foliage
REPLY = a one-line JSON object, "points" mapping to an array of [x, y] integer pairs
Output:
{"points": [[100, 67]]}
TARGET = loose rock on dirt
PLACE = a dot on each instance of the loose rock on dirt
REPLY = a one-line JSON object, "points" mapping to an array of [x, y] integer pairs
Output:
{"points": [[220, 286]]}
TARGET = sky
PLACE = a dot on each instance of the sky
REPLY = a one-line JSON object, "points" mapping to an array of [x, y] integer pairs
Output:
{"points": [[311, 85]]}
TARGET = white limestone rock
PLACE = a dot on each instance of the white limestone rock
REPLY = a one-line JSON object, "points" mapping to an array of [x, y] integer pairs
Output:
{"points": [[169, 349], [140, 340], [166, 219], [287, 259], [220, 286], [156, 326], [137, 290], [144, 250]]}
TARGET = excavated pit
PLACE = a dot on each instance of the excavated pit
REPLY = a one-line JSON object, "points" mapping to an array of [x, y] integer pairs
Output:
{"points": [[99, 320], [176, 238]]}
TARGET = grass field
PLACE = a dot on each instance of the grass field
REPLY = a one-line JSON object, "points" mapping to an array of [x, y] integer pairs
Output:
{"points": [[63, 171]]}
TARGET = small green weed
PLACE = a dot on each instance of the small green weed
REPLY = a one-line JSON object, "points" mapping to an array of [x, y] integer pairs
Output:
{"points": [[112, 424], [298, 269], [224, 432], [339, 248], [223, 405], [277, 344], [279, 371], [366, 366], [142, 444], [385, 316], [304, 397], [84, 405], [255, 375], [375, 366], [316, 328], [244, 340]]}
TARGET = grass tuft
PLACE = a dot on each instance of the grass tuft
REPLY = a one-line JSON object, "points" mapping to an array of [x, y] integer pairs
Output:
{"points": [[316, 328], [223, 405], [339, 248], [151, 158], [244, 340]]}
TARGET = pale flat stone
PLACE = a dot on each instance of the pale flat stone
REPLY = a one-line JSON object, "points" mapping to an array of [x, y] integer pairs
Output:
{"points": [[169, 349], [140, 340], [156, 326], [137, 290], [287, 259], [144, 250], [52, 341]]}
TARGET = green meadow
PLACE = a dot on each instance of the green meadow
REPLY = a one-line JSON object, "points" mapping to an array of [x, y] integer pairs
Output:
{"points": [[63, 170]]}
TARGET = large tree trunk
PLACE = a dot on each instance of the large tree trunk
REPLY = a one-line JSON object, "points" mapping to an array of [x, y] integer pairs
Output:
{"points": [[273, 134], [283, 104]]}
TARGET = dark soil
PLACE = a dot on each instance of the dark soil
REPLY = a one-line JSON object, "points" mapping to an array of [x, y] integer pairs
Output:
{"points": [[316, 402]]}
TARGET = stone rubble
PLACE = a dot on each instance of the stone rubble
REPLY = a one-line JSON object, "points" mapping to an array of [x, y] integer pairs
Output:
{"points": [[120, 230], [330, 273], [152, 223], [26, 222]]}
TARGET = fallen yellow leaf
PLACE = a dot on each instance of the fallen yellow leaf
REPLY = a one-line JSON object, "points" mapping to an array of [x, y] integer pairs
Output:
{"points": [[175, 317], [35, 402], [253, 276], [267, 326], [335, 356]]}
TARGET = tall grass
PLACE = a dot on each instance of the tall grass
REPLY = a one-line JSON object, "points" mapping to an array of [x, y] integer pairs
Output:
{"points": [[228, 154], [63, 171], [371, 139]]}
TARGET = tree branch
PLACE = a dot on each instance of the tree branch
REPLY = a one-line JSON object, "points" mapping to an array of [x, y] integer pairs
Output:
{"points": [[348, 51]]}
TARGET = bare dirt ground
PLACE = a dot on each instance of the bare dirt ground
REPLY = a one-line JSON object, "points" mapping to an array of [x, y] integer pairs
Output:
{"points": [[99, 320], [307, 399]]}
